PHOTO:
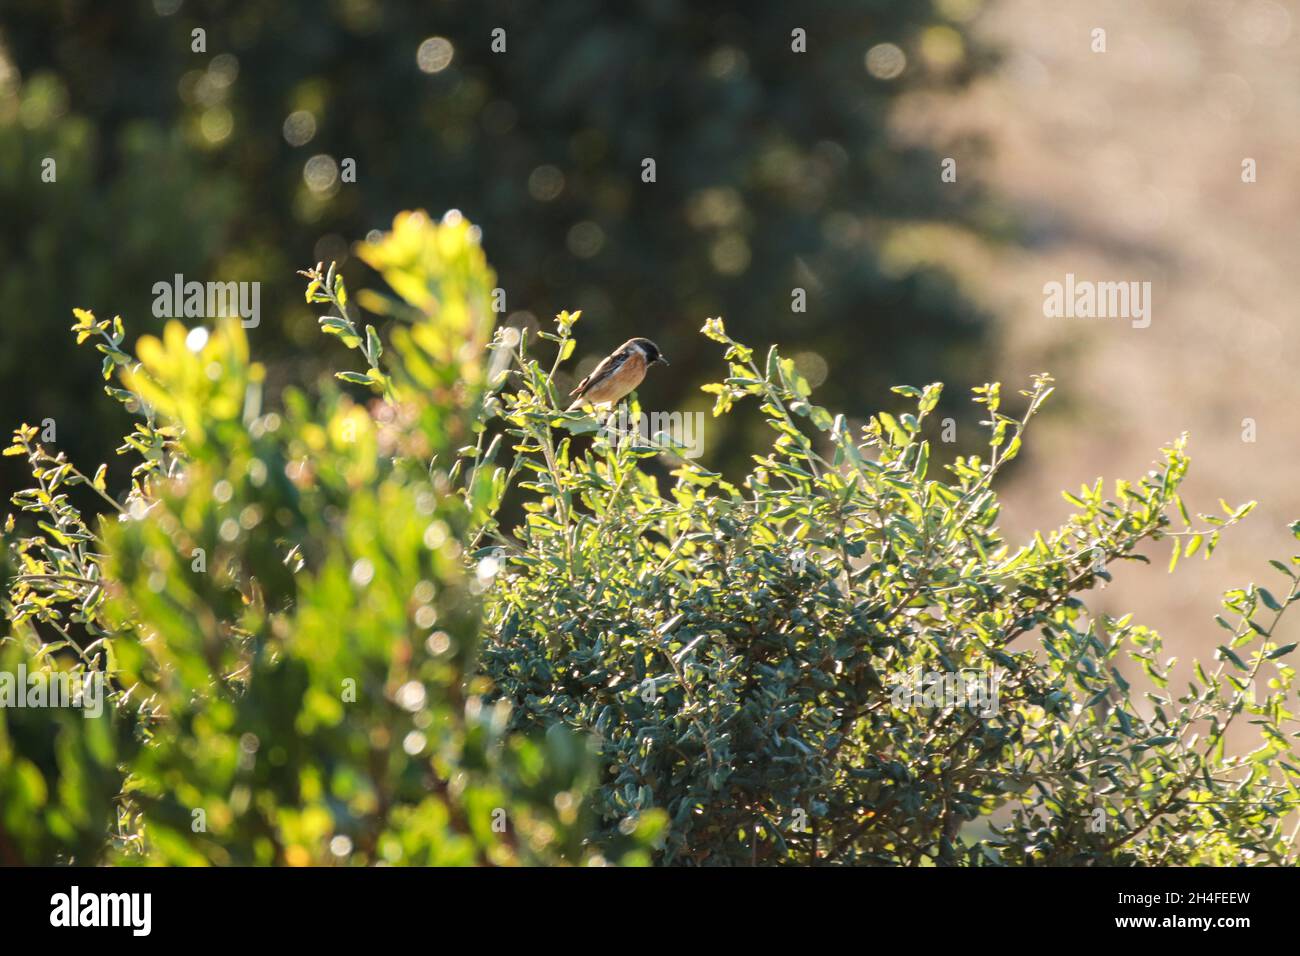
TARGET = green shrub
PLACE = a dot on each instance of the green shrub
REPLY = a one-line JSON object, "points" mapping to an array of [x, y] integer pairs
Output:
{"points": [[321, 644], [741, 652]]}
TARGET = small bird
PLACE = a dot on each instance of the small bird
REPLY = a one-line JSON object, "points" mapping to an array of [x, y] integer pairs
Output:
{"points": [[617, 374]]}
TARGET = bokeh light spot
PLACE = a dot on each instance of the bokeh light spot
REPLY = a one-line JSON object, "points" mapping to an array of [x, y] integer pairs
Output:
{"points": [[885, 61], [434, 55]]}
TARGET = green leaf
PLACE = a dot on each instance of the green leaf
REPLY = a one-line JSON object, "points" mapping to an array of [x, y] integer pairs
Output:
{"points": [[1224, 651]]}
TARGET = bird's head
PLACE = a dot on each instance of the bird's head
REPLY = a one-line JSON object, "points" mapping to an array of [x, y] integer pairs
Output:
{"points": [[651, 351]]}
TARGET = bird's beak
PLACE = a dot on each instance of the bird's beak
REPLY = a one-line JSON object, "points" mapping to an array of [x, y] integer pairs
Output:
{"points": [[662, 360]]}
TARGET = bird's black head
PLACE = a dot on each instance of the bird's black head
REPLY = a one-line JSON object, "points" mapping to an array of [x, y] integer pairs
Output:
{"points": [[652, 353]]}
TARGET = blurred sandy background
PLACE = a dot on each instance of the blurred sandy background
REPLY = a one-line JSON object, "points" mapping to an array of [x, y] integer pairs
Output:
{"points": [[1127, 165]]}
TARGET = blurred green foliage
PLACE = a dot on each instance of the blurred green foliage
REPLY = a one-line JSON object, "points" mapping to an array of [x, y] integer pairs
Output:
{"points": [[283, 613], [60, 772], [775, 171]]}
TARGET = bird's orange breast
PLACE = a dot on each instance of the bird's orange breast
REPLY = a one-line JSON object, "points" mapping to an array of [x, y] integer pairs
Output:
{"points": [[618, 383]]}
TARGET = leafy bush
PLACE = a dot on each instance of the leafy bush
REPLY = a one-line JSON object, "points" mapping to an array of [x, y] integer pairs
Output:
{"points": [[747, 654], [322, 645]]}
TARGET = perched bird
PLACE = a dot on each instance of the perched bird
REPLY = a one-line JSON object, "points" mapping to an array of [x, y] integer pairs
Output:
{"points": [[617, 374]]}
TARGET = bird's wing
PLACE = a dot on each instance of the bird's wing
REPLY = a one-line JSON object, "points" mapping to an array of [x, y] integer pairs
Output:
{"points": [[608, 365]]}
